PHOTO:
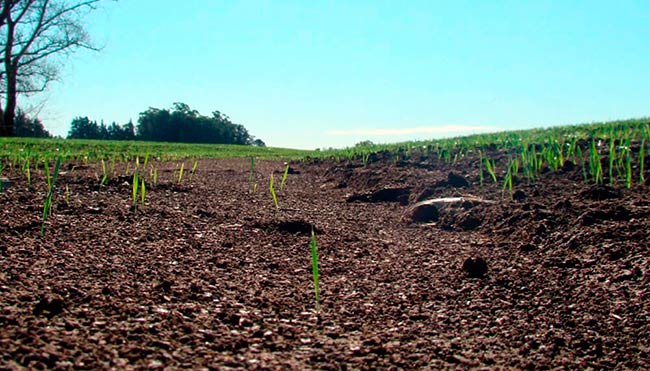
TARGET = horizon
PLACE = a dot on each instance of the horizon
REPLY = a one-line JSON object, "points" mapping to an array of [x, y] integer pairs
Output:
{"points": [[333, 74]]}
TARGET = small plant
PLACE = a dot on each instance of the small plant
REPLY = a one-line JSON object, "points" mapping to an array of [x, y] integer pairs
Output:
{"points": [[612, 157], [489, 166], [314, 268], [154, 176], [28, 175], [51, 181], [134, 193], [251, 176], [284, 176], [641, 161], [67, 195], [595, 167], [513, 169], [105, 174], [196, 163], [180, 173], [143, 192], [272, 190]]}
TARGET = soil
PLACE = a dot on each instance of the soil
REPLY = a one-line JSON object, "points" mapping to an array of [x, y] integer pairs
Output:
{"points": [[209, 275]]}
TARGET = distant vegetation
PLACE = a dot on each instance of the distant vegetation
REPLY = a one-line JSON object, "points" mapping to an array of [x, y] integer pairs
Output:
{"points": [[178, 124], [29, 127]]}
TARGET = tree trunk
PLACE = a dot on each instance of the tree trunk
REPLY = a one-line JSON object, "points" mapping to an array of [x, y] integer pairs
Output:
{"points": [[7, 124]]}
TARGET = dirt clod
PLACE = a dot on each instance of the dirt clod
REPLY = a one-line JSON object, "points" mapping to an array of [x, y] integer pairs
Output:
{"points": [[475, 267], [424, 213], [457, 180]]}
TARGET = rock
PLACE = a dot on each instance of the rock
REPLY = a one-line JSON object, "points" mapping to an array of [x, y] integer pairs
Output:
{"points": [[475, 267], [5, 183], [457, 181]]}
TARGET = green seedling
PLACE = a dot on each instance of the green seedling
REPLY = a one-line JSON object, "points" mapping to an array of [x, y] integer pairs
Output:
{"points": [[67, 195], [595, 167], [284, 177], [28, 174], [135, 190], [314, 268], [489, 165], [51, 181], [480, 167], [272, 190], [364, 158], [146, 161], [196, 163], [612, 157], [104, 174], [154, 176], [143, 192], [180, 173], [641, 161]]}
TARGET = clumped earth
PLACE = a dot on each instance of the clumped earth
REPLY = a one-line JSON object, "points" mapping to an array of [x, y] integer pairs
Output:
{"points": [[208, 275]]}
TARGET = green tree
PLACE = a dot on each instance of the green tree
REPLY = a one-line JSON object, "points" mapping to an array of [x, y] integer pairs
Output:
{"points": [[26, 126], [83, 128], [183, 124]]}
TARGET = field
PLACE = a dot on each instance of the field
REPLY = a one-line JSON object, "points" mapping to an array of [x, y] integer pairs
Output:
{"points": [[520, 250]]}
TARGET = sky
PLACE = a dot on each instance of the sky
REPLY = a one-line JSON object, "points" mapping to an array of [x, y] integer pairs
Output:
{"points": [[319, 74]]}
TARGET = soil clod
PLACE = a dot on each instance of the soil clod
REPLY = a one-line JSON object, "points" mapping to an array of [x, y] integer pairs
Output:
{"points": [[457, 181], [475, 267], [392, 194], [424, 213]]}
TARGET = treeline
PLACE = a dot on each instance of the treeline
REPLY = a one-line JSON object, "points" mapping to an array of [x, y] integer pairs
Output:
{"points": [[178, 124], [32, 127], [84, 128]]}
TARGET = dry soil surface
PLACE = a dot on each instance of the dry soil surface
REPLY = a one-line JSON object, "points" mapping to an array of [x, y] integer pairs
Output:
{"points": [[209, 275]]}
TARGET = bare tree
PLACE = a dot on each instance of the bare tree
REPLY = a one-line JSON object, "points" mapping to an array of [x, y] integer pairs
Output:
{"points": [[34, 36]]}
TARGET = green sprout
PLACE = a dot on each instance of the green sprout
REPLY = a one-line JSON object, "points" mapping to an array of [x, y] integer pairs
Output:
{"points": [[135, 190], [314, 268], [143, 192], [284, 176], [28, 174], [272, 190], [489, 165], [51, 181], [180, 173], [105, 174], [196, 163], [154, 176], [641, 161]]}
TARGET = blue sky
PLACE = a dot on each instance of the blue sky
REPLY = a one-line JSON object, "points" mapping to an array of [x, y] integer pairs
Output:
{"points": [[311, 74]]}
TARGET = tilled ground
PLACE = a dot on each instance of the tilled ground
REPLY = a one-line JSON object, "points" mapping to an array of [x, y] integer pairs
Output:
{"points": [[209, 275]]}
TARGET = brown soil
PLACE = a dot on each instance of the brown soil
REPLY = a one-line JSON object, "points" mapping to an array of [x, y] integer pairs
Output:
{"points": [[210, 276]]}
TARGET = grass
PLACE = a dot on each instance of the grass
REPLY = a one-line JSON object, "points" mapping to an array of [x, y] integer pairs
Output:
{"points": [[272, 190], [285, 174], [536, 151], [51, 183], [314, 268]]}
